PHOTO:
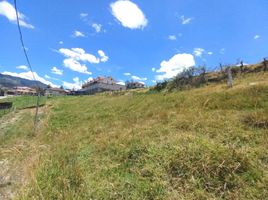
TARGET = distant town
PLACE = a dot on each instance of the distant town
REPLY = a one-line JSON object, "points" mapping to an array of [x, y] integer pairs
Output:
{"points": [[97, 85]]}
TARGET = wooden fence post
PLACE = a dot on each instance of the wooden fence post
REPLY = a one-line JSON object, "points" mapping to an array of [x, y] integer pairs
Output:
{"points": [[241, 67], [230, 77], [221, 67], [265, 64]]}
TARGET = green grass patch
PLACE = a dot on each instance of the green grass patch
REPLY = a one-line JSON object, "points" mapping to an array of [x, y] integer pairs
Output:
{"points": [[205, 143]]}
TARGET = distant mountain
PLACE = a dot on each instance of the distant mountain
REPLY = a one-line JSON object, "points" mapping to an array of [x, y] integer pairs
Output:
{"points": [[11, 81]]}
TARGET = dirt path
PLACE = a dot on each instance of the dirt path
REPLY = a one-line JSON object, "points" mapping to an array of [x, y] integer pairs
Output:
{"points": [[18, 159]]}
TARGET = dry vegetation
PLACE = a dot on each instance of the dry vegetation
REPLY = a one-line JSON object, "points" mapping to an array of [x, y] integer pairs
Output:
{"points": [[204, 143]]}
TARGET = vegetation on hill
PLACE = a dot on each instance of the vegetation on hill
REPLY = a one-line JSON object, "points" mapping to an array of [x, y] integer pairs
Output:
{"points": [[194, 77], [204, 143]]}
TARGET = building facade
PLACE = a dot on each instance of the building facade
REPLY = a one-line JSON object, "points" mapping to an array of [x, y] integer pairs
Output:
{"points": [[134, 85], [21, 91], [101, 84], [56, 92]]}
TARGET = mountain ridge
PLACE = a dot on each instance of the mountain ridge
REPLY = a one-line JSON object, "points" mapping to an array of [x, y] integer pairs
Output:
{"points": [[8, 81]]}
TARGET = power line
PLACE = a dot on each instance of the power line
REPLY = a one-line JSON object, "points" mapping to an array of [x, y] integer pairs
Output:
{"points": [[29, 65], [21, 40]]}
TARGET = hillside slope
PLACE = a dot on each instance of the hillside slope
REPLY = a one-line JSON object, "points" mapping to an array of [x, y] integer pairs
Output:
{"points": [[205, 143], [11, 81]]}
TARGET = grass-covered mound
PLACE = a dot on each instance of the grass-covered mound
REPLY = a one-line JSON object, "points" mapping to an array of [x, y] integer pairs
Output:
{"points": [[205, 143]]}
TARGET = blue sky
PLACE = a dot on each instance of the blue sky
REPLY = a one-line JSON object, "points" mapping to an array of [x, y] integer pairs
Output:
{"points": [[72, 41]]}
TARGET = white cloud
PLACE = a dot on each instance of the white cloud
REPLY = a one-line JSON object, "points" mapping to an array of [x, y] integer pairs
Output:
{"points": [[7, 10], [127, 74], [121, 83], [47, 76], [90, 79], [185, 20], [128, 14], [175, 65], [78, 34], [153, 69], [76, 66], [172, 37], [57, 71], [256, 37], [75, 85], [198, 52], [103, 57], [97, 27], [51, 78], [23, 67], [28, 75], [136, 78], [210, 53], [76, 55], [79, 54], [83, 15], [60, 42]]}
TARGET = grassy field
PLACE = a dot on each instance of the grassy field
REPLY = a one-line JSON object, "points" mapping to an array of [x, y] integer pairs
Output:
{"points": [[21, 102], [205, 143]]}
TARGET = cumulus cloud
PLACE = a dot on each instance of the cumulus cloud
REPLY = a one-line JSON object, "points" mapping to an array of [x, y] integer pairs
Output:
{"points": [[7, 10], [79, 54], [28, 75], [174, 66], [256, 37], [57, 71], [76, 85], [121, 83], [103, 57], [23, 67], [60, 42], [97, 27], [75, 56], [136, 78], [185, 20], [153, 69], [78, 34], [47, 76], [83, 15], [128, 14], [127, 74], [172, 37], [76, 66], [198, 52], [89, 79]]}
